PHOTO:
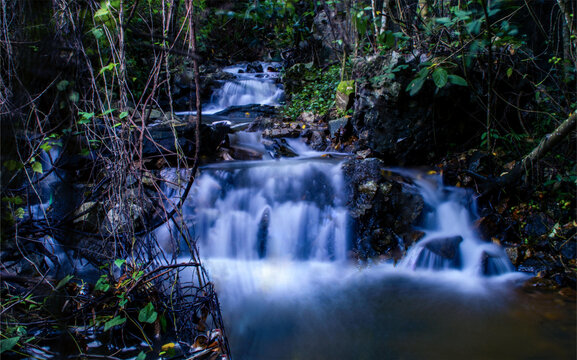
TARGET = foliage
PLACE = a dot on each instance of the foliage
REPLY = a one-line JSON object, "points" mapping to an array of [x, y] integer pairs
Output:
{"points": [[74, 106], [438, 74], [125, 302], [314, 92]]}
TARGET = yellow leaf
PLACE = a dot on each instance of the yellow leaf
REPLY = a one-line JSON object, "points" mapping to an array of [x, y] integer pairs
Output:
{"points": [[167, 347]]}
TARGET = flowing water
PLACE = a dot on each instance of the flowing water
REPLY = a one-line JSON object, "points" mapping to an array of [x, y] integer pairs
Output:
{"points": [[277, 239], [256, 84]]}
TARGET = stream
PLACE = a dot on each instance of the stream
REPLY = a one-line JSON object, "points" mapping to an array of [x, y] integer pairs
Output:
{"points": [[276, 237], [277, 240]]}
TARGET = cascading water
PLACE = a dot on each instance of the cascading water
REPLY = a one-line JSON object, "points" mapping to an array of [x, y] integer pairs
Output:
{"points": [[245, 92], [276, 238], [253, 84], [450, 242], [271, 210]]}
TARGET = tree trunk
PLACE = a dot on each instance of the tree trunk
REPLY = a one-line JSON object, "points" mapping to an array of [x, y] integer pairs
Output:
{"points": [[546, 144]]}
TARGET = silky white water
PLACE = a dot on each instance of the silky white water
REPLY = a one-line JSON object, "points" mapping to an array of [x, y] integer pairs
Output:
{"points": [[277, 240], [450, 242], [248, 88]]}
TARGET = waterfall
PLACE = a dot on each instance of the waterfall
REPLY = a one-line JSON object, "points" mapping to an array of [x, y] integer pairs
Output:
{"points": [[245, 92], [450, 242], [254, 84], [294, 209], [285, 209], [275, 236]]}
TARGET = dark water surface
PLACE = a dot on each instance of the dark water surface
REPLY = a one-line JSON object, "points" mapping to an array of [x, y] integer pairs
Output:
{"points": [[381, 314]]}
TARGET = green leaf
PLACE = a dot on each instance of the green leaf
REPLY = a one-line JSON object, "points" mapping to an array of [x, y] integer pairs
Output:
{"points": [[46, 146], [8, 344], [101, 12], [62, 85], [424, 72], [97, 32], [119, 263], [457, 80], [16, 200], [509, 72], [118, 320], [37, 167], [474, 27], [147, 314], [85, 117], [64, 281], [108, 112], [415, 85], [74, 97], [123, 115], [440, 77], [107, 68], [141, 356], [443, 20], [12, 165], [102, 284]]}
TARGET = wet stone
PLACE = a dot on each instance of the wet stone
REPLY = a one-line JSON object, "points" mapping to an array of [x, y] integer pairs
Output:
{"points": [[441, 253]]}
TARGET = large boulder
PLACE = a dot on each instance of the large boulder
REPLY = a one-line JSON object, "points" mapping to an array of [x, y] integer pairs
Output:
{"points": [[404, 129], [383, 211]]}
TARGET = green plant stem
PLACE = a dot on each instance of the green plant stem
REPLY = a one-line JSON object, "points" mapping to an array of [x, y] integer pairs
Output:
{"points": [[488, 124]]}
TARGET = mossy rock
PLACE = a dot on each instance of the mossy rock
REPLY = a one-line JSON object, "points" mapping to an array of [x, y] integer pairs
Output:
{"points": [[346, 87]]}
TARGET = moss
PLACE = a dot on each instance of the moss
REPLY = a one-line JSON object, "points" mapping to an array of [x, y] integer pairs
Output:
{"points": [[346, 87]]}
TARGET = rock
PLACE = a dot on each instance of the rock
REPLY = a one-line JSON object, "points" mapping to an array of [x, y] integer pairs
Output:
{"points": [[488, 226], [383, 241], [131, 214], [538, 225], [280, 133], [249, 112], [163, 141], [345, 95], [514, 254], [326, 33], [569, 249], [262, 234], [412, 237], [89, 216], [447, 251], [403, 129], [261, 123], [493, 264], [254, 67], [369, 188], [534, 265], [278, 147], [337, 125], [383, 212], [184, 89], [316, 139], [307, 117]]}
